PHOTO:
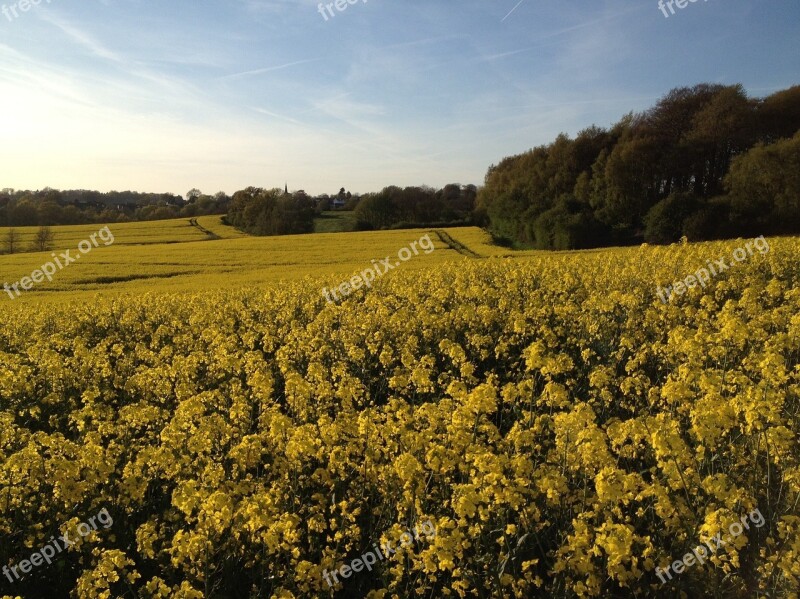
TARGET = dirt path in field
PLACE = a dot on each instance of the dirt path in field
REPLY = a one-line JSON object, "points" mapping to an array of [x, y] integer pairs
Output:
{"points": [[194, 223], [456, 245]]}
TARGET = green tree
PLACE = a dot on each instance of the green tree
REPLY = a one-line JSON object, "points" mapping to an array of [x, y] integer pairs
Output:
{"points": [[655, 175], [765, 186], [378, 211], [664, 222], [271, 212], [778, 115]]}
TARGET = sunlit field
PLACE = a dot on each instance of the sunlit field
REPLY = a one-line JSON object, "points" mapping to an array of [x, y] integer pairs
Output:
{"points": [[214, 224], [488, 300], [556, 428], [134, 233], [181, 262]]}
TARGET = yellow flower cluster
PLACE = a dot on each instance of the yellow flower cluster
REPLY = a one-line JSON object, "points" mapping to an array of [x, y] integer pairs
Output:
{"points": [[565, 431]]}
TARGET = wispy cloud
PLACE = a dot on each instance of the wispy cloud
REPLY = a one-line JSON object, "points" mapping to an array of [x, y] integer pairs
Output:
{"points": [[95, 48], [117, 94], [264, 70]]}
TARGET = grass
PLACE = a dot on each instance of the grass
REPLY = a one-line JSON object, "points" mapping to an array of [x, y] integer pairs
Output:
{"points": [[335, 221]]}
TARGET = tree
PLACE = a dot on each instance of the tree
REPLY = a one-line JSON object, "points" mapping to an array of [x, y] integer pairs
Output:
{"points": [[43, 239], [655, 175], [764, 187], [193, 194], [271, 212], [12, 240], [352, 202], [722, 129], [50, 213], [376, 211], [779, 115], [23, 213], [664, 222], [570, 224]]}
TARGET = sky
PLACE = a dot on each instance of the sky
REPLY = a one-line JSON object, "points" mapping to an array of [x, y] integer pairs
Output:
{"points": [[221, 95]]}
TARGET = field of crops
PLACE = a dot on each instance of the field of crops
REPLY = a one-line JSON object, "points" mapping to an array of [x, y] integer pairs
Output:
{"points": [[183, 264], [136, 233], [563, 430]]}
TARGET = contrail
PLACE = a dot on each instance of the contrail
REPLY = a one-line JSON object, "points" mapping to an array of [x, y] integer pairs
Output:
{"points": [[512, 10]]}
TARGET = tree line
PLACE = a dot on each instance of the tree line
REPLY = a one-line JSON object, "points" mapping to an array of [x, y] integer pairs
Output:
{"points": [[705, 162], [50, 207], [395, 207], [260, 211], [12, 242], [255, 210]]}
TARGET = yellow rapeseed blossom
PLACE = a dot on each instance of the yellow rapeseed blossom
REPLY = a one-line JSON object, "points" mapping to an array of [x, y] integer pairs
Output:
{"points": [[564, 431]]}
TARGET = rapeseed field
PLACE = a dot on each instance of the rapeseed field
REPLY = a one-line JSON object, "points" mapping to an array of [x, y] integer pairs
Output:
{"points": [[557, 428]]}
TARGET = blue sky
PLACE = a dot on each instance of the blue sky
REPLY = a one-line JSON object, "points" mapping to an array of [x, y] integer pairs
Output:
{"points": [[219, 95]]}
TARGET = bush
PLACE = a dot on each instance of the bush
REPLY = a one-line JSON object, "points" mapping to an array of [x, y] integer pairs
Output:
{"points": [[664, 222]]}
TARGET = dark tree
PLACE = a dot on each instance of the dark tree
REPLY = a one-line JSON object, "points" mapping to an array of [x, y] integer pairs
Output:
{"points": [[12, 240], [43, 239], [656, 175]]}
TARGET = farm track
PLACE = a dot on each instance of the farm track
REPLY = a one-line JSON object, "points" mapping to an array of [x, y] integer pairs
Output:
{"points": [[194, 223], [456, 245]]}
